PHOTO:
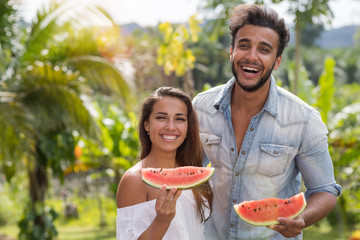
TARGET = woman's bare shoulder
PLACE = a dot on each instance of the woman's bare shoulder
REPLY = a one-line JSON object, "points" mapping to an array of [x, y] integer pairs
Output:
{"points": [[131, 189]]}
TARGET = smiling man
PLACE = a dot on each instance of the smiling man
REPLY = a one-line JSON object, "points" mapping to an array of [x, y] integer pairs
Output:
{"points": [[261, 138]]}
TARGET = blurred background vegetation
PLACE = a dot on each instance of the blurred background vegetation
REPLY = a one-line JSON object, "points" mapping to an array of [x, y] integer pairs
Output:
{"points": [[71, 85]]}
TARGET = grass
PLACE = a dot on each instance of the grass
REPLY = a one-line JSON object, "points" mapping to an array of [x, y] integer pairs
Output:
{"points": [[89, 233], [86, 227], [83, 228], [71, 233], [321, 232]]}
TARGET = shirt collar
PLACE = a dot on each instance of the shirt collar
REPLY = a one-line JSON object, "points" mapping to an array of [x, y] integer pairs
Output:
{"points": [[224, 98]]}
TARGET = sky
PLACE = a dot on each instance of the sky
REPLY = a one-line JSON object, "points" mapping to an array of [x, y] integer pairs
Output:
{"points": [[151, 12]]}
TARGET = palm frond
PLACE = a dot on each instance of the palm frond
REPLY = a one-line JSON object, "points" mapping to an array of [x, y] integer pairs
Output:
{"points": [[54, 26], [58, 98], [58, 107], [103, 75], [17, 135]]}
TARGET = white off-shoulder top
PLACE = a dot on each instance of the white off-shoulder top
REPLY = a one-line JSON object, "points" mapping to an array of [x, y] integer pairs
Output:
{"points": [[133, 220]]}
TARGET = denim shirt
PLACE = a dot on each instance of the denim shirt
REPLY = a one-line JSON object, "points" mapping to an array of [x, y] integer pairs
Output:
{"points": [[285, 141]]}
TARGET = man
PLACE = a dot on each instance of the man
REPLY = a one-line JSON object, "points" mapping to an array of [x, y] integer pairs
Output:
{"points": [[260, 138]]}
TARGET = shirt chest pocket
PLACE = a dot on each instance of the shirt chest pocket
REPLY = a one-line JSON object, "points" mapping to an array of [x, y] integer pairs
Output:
{"points": [[273, 158], [211, 145]]}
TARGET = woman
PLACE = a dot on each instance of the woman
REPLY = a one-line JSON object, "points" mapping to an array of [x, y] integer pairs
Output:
{"points": [[169, 137]]}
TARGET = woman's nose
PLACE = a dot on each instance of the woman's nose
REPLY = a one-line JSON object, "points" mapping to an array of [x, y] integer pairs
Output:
{"points": [[170, 124]]}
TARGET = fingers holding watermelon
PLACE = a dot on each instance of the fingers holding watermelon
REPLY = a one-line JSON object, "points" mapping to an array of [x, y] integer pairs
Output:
{"points": [[166, 204], [289, 227]]}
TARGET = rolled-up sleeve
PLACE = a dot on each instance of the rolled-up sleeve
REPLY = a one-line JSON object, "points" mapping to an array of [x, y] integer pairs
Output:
{"points": [[314, 160]]}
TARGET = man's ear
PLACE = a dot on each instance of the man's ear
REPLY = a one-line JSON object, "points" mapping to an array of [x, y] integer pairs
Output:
{"points": [[277, 62], [231, 52]]}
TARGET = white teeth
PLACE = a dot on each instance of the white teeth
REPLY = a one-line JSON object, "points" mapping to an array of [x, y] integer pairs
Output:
{"points": [[250, 69], [169, 137]]}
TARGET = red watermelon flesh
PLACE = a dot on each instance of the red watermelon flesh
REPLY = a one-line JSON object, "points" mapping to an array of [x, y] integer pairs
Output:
{"points": [[266, 211], [181, 177]]}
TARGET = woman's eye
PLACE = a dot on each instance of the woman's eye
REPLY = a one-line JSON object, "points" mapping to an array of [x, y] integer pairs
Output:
{"points": [[181, 119], [159, 117]]}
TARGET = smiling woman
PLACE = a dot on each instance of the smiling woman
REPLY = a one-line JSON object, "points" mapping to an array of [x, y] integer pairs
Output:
{"points": [[169, 137]]}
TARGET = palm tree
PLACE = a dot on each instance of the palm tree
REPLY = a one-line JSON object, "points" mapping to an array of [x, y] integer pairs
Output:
{"points": [[48, 78]]}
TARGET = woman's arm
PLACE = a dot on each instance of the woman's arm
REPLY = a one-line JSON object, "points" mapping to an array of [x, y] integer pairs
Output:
{"points": [[165, 212], [132, 191]]}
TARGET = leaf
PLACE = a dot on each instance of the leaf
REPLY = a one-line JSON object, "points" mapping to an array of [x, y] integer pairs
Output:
{"points": [[327, 89]]}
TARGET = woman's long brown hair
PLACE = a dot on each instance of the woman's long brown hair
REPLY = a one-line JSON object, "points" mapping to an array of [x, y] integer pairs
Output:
{"points": [[190, 152]]}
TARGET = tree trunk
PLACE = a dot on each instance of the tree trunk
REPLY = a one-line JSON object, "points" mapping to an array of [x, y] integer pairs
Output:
{"points": [[38, 185], [297, 57], [188, 84]]}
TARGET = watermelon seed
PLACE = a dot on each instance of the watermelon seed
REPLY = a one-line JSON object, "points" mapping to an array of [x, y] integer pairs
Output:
{"points": [[259, 209], [286, 202], [254, 209], [243, 205]]}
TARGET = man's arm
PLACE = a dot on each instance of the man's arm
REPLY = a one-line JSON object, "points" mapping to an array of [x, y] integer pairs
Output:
{"points": [[319, 205]]}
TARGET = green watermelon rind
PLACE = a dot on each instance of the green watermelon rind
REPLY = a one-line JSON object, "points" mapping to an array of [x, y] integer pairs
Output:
{"points": [[182, 187], [270, 222]]}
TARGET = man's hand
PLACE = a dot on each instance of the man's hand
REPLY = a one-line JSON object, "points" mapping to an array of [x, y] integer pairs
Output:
{"points": [[289, 227], [318, 206]]}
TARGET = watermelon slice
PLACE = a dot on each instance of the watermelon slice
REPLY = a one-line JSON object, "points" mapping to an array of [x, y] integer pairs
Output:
{"points": [[181, 177], [266, 211]]}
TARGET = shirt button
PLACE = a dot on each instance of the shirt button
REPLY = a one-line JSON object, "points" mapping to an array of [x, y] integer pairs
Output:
{"points": [[275, 152], [234, 201], [237, 174], [232, 149], [251, 129], [243, 152], [232, 225]]}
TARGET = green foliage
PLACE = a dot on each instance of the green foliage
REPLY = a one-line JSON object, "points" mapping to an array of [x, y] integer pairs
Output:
{"points": [[326, 89], [119, 139], [90, 215], [173, 55], [7, 209], [30, 229], [58, 148], [340, 108], [45, 95], [305, 86], [308, 12], [310, 33]]}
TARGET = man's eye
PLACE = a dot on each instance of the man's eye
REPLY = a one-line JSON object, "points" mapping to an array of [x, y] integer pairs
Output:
{"points": [[265, 50], [243, 46]]}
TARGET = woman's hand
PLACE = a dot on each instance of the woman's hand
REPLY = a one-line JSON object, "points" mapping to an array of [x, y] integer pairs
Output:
{"points": [[166, 204], [165, 207]]}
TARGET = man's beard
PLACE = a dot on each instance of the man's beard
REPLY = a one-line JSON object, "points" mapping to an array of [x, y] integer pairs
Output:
{"points": [[259, 83]]}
